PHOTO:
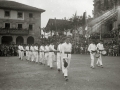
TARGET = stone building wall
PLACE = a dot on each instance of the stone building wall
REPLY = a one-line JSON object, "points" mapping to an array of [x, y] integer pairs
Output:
{"points": [[35, 21]]}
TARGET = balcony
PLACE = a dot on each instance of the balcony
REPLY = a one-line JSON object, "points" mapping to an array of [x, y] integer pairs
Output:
{"points": [[11, 31]]}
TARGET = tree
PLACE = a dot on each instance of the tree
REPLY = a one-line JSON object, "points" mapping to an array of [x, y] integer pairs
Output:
{"points": [[75, 22]]}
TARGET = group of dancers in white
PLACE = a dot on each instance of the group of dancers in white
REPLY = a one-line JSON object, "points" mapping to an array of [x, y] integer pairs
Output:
{"points": [[45, 54], [96, 51]]}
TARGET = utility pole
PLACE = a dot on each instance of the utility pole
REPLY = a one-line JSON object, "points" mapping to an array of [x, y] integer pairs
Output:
{"points": [[118, 31], [101, 33]]}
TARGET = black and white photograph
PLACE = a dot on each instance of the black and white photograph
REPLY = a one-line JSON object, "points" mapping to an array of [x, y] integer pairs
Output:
{"points": [[59, 44]]}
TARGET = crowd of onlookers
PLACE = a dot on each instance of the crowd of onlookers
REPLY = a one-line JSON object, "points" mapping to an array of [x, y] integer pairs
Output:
{"points": [[8, 50], [112, 47]]}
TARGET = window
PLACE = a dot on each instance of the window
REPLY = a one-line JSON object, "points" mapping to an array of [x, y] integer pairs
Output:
{"points": [[30, 15], [7, 13], [19, 26], [20, 15], [7, 25], [30, 26]]}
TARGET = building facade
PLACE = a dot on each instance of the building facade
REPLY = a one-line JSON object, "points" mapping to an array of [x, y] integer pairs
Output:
{"points": [[19, 23], [106, 20], [101, 6]]}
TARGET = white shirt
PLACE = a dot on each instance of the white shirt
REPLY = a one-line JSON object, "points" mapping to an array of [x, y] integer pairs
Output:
{"points": [[21, 48], [36, 48], [27, 48], [41, 48], [46, 48], [100, 46], [92, 47], [66, 47], [51, 47], [59, 48], [31, 48]]}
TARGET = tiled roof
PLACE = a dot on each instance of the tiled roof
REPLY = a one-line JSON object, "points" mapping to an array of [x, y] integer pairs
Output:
{"points": [[57, 22], [18, 6]]}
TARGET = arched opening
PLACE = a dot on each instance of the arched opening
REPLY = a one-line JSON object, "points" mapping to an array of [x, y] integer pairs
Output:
{"points": [[19, 40], [30, 40], [6, 39]]}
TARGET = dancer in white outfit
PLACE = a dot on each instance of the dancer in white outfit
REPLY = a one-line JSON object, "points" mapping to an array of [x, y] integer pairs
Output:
{"points": [[36, 53], [59, 62], [92, 48], [66, 49], [100, 48], [51, 55], [27, 52]]}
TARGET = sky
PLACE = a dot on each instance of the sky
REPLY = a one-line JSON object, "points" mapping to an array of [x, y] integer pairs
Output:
{"points": [[59, 9]]}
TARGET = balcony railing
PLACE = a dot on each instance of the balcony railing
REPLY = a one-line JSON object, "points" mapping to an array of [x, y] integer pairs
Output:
{"points": [[13, 31]]}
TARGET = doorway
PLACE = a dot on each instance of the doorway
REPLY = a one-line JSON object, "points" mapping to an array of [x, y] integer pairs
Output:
{"points": [[6, 39]]}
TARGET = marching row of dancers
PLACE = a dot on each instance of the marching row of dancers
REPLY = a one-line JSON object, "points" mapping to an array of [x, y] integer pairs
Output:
{"points": [[45, 54]]}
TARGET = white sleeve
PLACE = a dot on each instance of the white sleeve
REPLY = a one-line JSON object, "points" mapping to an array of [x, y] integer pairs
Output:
{"points": [[71, 47], [62, 49], [42, 48], [97, 46], [22, 48], [37, 48], [45, 48], [58, 48], [34, 48], [26, 48], [53, 48], [89, 48]]}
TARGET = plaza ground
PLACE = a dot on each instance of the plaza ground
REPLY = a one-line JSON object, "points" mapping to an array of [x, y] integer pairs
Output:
{"points": [[23, 75]]}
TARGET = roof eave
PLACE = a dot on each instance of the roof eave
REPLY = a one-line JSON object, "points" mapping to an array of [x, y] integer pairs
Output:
{"points": [[23, 9]]}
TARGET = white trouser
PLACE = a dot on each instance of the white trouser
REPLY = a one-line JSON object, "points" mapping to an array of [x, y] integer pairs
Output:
{"points": [[54, 58], [59, 63], [51, 57], [67, 57], [36, 56], [99, 61], [41, 57], [19, 53], [27, 55], [47, 58], [92, 56], [32, 55]]}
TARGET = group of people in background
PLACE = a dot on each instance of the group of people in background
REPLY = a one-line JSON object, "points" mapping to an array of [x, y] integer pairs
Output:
{"points": [[112, 48], [8, 50], [45, 54]]}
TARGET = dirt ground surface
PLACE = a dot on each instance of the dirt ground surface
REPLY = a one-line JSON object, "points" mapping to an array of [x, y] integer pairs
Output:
{"points": [[24, 75]]}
